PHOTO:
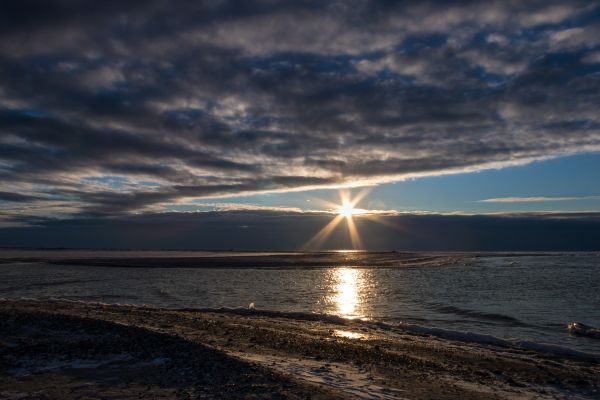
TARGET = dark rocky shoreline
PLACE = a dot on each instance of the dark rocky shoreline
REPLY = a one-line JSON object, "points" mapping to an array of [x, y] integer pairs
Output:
{"points": [[127, 362], [69, 350]]}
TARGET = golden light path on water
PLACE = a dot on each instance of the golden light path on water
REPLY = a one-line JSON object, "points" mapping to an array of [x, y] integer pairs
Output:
{"points": [[346, 297], [348, 292]]}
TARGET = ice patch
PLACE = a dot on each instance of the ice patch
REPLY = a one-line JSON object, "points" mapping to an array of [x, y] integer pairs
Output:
{"points": [[353, 382], [156, 362], [577, 328], [30, 366]]}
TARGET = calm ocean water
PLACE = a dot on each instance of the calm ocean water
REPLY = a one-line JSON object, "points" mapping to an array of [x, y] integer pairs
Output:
{"points": [[522, 297]]}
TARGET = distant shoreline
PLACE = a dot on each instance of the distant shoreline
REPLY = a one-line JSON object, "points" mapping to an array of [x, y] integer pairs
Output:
{"points": [[206, 259], [237, 260], [288, 251]]}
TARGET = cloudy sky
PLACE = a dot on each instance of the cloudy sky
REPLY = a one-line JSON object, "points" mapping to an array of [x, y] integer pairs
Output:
{"points": [[162, 111]]}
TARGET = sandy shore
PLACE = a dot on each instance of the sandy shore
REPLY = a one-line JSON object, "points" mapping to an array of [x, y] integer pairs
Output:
{"points": [[70, 350]]}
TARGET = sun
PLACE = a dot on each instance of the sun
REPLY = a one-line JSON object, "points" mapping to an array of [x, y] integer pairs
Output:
{"points": [[344, 212], [347, 209]]}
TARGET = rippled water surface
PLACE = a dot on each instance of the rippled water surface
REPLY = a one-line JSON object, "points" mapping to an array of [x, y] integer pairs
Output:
{"points": [[526, 297]]}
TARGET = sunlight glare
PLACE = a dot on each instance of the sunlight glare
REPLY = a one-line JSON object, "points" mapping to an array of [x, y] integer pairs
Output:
{"points": [[346, 209], [346, 297], [345, 212], [349, 290]]}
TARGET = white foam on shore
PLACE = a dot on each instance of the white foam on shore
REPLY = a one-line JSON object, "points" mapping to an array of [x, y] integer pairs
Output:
{"points": [[478, 338], [401, 327]]}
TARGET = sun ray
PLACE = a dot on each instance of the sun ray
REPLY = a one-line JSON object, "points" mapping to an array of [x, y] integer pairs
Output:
{"points": [[354, 235], [325, 204], [361, 195], [316, 241], [378, 219], [346, 210]]}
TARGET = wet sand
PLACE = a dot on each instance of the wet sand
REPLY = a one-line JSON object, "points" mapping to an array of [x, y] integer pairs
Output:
{"points": [[69, 350]]}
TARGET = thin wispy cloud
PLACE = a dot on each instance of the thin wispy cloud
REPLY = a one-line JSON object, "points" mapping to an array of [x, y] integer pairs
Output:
{"points": [[231, 207], [536, 199]]}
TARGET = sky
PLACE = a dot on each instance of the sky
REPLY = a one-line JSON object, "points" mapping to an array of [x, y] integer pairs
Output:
{"points": [[149, 123]]}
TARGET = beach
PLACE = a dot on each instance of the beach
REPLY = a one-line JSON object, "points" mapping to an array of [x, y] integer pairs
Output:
{"points": [[69, 349], [307, 199]]}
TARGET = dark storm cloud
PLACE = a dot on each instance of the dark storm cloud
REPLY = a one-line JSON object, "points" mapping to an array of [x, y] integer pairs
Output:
{"points": [[16, 197], [112, 107], [271, 230]]}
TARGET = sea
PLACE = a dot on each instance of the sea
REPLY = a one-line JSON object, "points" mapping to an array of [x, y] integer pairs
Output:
{"points": [[515, 297]]}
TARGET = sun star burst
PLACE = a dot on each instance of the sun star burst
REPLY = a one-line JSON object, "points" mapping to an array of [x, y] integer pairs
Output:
{"points": [[345, 211]]}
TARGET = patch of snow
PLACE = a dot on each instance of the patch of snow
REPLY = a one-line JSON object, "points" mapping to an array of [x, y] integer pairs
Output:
{"points": [[31, 366], [352, 381]]}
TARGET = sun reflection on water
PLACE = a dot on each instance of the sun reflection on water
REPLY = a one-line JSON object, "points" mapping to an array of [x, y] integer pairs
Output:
{"points": [[349, 334], [347, 297]]}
